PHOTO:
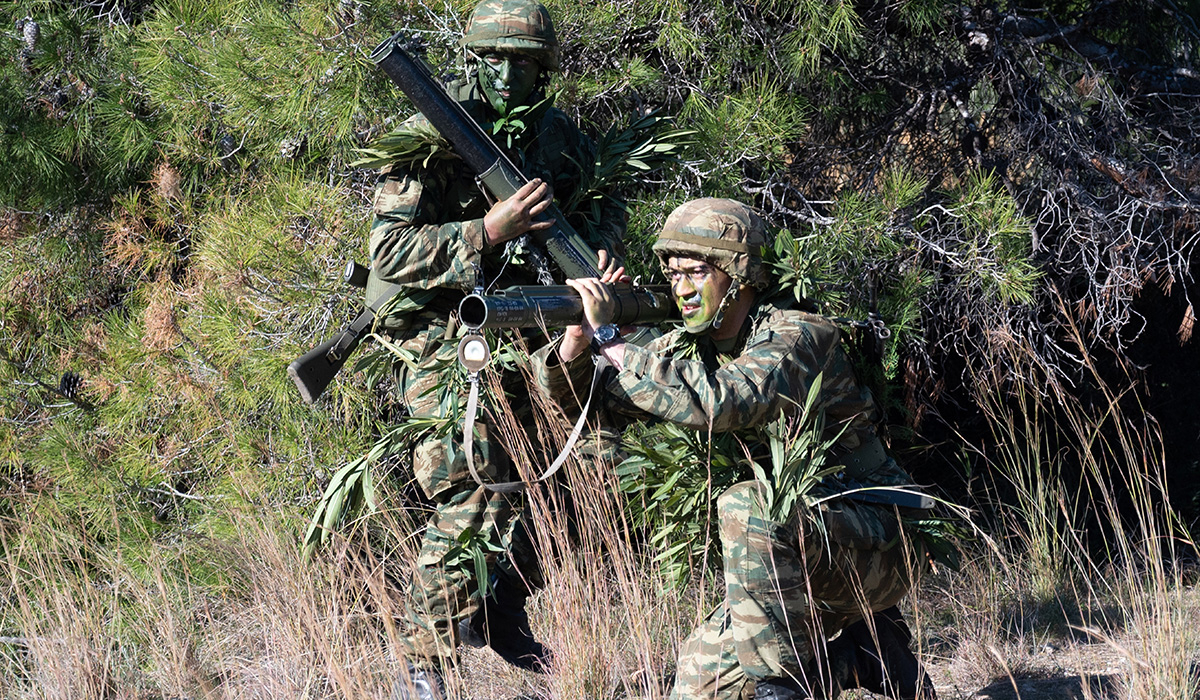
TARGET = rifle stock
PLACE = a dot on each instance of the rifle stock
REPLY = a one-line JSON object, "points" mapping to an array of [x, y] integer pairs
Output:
{"points": [[315, 369], [559, 305]]}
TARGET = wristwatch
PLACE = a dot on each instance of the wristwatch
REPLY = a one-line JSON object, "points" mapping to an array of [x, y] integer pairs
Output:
{"points": [[604, 335]]}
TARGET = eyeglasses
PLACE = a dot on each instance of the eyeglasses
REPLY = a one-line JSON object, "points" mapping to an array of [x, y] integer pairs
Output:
{"points": [[697, 274]]}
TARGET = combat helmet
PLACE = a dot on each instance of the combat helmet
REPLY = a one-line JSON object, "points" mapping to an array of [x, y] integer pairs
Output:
{"points": [[725, 232], [514, 25]]}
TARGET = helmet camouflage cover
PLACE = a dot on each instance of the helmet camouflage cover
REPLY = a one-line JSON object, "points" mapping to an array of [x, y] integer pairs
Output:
{"points": [[523, 26], [725, 232]]}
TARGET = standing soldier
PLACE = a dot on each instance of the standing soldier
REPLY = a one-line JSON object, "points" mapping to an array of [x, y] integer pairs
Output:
{"points": [[744, 357], [436, 234]]}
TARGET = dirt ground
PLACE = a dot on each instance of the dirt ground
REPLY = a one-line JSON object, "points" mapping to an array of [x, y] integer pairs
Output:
{"points": [[1053, 673], [1076, 672]]}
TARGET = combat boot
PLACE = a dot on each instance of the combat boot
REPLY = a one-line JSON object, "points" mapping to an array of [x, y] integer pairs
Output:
{"points": [[420, 684], [502, 624], [779, 689], [881, 663]]}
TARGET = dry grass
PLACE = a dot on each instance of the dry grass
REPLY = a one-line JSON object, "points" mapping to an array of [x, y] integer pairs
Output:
{"points": [[1089, 558], [243, 617]]}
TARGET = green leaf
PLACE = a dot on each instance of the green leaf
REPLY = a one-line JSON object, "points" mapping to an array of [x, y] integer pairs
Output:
{"points": [[344, 492]]}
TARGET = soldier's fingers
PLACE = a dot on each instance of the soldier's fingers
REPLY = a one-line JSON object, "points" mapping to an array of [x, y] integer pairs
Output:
{"points": [[602, 254], [540, 225], [584, 289], [589, 288], [598, 289], [528, 188], [540, 207], [537, 193]]}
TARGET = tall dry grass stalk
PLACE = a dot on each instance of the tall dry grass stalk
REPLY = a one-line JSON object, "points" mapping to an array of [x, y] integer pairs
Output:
{"points": [[242, 618], [1091, 538], [1149, 547], [613, 618]]}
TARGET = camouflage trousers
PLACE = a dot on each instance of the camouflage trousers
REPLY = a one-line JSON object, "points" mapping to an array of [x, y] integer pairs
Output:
{"points": [[444, 588], [788, 586]]}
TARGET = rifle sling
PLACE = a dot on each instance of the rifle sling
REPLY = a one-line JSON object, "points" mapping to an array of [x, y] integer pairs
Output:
{"points": [[576, 431], [350, 336], [389, 291]]}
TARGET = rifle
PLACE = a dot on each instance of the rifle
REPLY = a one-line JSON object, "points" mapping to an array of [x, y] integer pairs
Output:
{"points": [[314, 370], [559, 305]]}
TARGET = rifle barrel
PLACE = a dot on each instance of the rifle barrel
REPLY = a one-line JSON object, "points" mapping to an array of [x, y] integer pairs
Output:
{"points": [[427, 95]]}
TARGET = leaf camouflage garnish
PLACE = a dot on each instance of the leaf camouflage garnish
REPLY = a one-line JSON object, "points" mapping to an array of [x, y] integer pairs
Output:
{"points": [[414, 142], [672, 478]]}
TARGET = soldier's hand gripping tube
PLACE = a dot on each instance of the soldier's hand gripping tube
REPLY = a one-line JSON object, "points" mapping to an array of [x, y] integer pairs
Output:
{"points": [[556, 306], [492, 167]]}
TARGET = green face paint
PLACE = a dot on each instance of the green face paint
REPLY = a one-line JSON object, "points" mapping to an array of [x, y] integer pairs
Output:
{"points": [[507, 79], [698, 289]]}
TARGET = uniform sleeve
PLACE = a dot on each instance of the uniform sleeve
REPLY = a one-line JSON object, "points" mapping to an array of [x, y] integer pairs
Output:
{"points": [[776, 370], [411, 243], [565, 383]]}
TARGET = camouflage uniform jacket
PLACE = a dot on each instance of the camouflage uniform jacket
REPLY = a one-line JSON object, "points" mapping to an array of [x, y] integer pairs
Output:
{"points": [[778, 356], [428, 226]]}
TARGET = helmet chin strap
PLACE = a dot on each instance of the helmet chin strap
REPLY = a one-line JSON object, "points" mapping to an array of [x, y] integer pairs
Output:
{"points": [[714, 323]]}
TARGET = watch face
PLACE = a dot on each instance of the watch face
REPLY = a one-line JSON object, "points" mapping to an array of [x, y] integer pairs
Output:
{"points": [[603, 336]]}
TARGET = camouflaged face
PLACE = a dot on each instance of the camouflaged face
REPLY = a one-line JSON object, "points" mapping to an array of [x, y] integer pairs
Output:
{"points": [[728, 233], [515, 25]]}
